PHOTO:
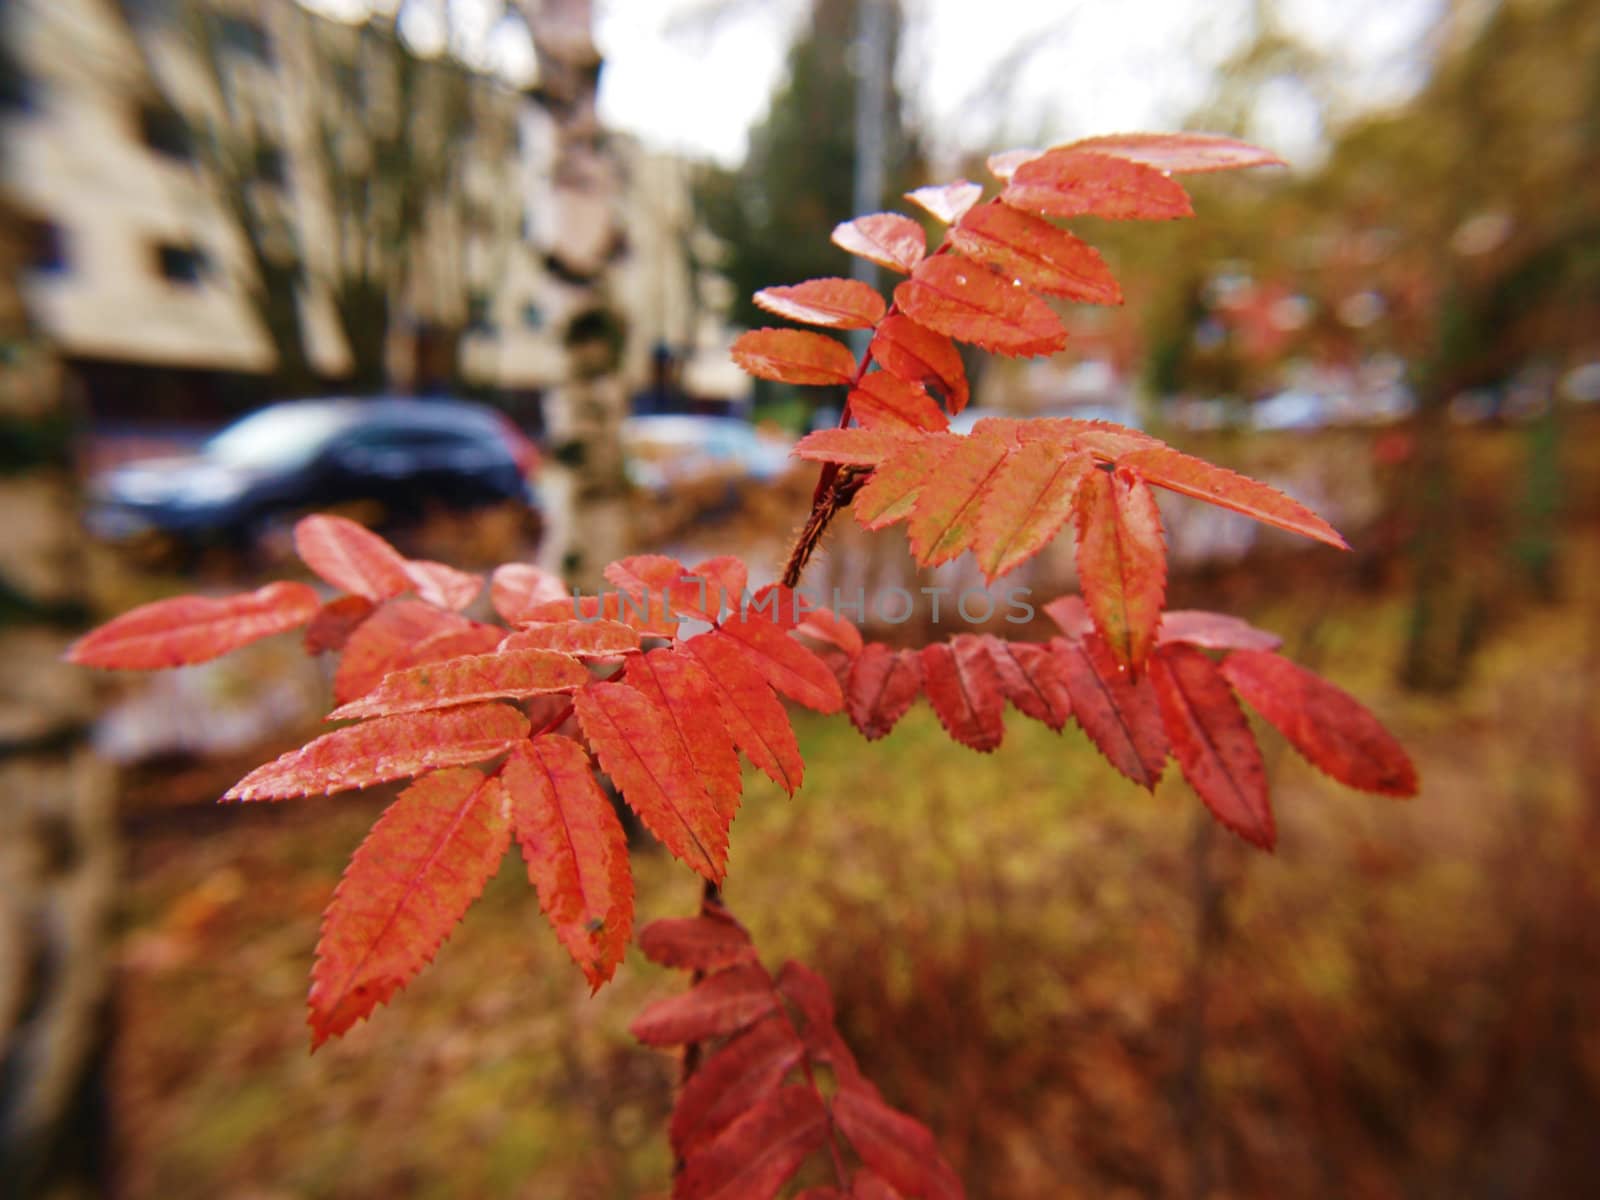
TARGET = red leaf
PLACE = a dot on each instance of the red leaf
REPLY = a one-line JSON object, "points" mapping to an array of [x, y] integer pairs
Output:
{"points": [[750, 710], [1045, 258], [869, 1185], [1178, 472], [831, 303], [1118, 712], [1180, 152], [946, 201], [1071, 616], [1214, 631], [783, 662], [1212, 742], [1103, 439], [720, 1004], [809, 993], [471, 679], [1033, 679], [897, 1147], [676, 681], [759, 1152], [794, 356], [1004, 164], [704, 943], [894, 488], [1122, 561], [1326, 725], [945, 519], [918, 355], [882, 687], [575, 849], [775, 604], [856, 447], [387, 748], [335, 621], [629, 734], [515, 588], [421, 867], [887, 239], [749, 1067], [1074, 183], [191, 629], [972, 303], [406, 633], [885, 401], [964, 689], [712, 588], [585, 639], [1029, 500], [351, 557], [443, 585], [827, 626]]}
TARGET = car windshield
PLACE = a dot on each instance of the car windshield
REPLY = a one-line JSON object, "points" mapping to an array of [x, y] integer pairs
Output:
{"points": [[276, 437]]}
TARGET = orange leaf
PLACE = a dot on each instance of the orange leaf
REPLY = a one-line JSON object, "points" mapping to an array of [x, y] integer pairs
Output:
{"points": [[351, 557], [1117, 711], [883, 685], [708, 942], [1179, 472], [831, 303], [855, 447], [583, 639], [750, 710], [1122, 561], [443, 585], [897, 1147], [972, 303], [794, 356], [1212, 742], [946, 201], [1180, 152], [575, 850], [1029, 499], [917, 354], [387, 748], [945, 518], [884, 401], [1004, 164], [789, 667], [471, 679], [515, 588], [888, 239], [740, 1074], [1103, 439], [759, 1151], [825, 625], [191, 629], [964, 689], [406, 633], [1045, 258], [893, 491], [678, 684], [1326, 725], [421, 867], [335, 621], [628, 732], [1075, 183], [720, 1004]]}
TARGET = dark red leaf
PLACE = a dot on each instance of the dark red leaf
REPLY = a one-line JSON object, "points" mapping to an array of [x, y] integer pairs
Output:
{"points": [[794, 356], [351, 557], [421, 867], [191, 629], [575, 850], [471, 679], [718, 1005], [387, 748], [1075, 183], [869, 1185], [883, 685], [885, 401], [831, 303], [917, 354], [1214, 631], [335, 621], [897, 1147], [1212, 742], [888, 239], [972, 303], [1178, 472], [1118, 712], [1033, 679], [633, 738], [759, 1152], [1326, 725], [1122, 561], [738, 1076], [946, 201], [708, 942], [809, 994], [963, 686], [829, 627], [1045, 258]]}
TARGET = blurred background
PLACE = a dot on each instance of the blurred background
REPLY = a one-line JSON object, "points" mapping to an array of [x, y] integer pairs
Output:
{"points": [[468, 271]]}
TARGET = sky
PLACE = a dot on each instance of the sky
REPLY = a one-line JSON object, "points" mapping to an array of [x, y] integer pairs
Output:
{"points": [[692, 76]]}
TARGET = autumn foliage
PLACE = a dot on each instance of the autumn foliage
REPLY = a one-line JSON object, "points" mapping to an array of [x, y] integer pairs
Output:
{"points": [[508, 730]]}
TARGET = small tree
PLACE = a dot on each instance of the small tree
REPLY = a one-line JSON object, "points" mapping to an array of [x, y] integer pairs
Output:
{"points": [[505, 728]]}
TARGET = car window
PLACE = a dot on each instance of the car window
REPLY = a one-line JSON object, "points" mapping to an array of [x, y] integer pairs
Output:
{"points": [[278, 437]]}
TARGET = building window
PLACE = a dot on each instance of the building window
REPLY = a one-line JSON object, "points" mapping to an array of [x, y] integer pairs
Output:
{"points": [[271, 166], [532, 316], [244, 36], [44, 246], [166, 132], [181, 264], [478, 320]]}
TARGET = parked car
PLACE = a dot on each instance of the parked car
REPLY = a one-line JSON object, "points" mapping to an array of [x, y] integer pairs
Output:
{"points": [[299, 455], [667, 449]]}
